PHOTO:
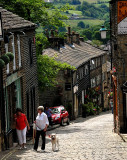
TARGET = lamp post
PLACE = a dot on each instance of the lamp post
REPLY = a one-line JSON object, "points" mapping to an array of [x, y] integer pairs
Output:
{"points": [[103, 32]]}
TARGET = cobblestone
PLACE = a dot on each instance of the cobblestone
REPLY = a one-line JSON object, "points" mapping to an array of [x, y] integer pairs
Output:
{"points": [[83, 139]]}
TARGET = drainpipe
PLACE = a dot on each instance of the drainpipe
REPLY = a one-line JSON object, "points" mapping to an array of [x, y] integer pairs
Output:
{"points": [[2, 106]]}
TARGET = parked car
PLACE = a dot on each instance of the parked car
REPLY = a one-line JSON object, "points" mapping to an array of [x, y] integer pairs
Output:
{"points": [[60, 115]]}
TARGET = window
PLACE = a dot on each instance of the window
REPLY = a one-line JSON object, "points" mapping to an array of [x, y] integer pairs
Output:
{"points": [[103, 59], [13, 48], [18, 94], [6, 50], [86, 70], [92, 64], [83, 97], [19, 50], [93, 82], [103, 76], [32, 93], [99, 61], [81, 73], [31, 51], [98, 79], [27, 104], [67, 86], [74, 78]]}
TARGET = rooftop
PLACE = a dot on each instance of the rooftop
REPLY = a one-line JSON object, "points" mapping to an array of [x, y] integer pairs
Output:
{"points": [[12, 21], [75, 56]]}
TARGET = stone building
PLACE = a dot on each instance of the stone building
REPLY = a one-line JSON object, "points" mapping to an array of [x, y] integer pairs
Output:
{"points": [[119, 62], [91, 65], [20, 76]]}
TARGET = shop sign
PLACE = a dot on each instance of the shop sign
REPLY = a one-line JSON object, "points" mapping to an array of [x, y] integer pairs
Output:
{"points": [[122, 17]]}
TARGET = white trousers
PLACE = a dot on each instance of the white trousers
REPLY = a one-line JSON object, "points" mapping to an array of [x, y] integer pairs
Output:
{"points": [[21, 135]]}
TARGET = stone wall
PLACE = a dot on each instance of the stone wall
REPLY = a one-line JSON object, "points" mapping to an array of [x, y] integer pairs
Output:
{"points": [[58, 95]]}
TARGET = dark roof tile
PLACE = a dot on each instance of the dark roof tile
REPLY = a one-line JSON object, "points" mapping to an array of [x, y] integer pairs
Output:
{"points": [[13, 21], [75, 56]]}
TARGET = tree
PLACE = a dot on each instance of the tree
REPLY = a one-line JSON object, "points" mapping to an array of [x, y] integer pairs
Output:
{"points": [[87, 33], [97, 35], [81, 24], [48, 69], [41, 43], [35, 11]]}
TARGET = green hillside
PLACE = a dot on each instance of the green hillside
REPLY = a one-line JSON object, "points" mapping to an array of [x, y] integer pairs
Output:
{"points": [[94, 1], [90, 22]]}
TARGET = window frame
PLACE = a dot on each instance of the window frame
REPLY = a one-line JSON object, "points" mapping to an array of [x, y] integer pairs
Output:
{"points": [[30, 51], [13, 48], [86, 70], [19, 51], [6, 51]]}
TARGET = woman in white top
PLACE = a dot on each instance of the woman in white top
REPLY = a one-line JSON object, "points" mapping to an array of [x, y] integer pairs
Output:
{"points": [[41, 124]]}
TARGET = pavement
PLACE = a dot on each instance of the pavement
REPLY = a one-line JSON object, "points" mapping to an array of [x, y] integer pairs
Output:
{"points": [[89, 138]]}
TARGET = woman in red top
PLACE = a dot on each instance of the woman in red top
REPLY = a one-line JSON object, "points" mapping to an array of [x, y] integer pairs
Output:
{"points": [[21, 127]]}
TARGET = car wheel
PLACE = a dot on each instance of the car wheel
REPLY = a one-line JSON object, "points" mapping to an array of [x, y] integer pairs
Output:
{"points": [[68, 121], [62, 122]]}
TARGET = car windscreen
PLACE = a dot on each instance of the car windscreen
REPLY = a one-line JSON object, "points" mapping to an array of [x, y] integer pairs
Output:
{"points": [[55, 110]]}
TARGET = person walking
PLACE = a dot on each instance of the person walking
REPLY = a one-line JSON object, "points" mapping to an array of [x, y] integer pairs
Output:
{"points": [[21, 127], [49, 115], [41, 128]]}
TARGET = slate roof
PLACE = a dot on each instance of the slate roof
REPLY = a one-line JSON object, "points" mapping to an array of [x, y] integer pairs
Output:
{"points": [[12, 21], [75, 56]]}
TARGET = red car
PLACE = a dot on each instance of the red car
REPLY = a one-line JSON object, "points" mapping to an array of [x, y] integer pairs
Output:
{"points": [[60, 115]]}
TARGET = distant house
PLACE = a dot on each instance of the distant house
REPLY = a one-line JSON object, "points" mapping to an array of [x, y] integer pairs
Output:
{"points": [[90, 63], [74, 16], [49, 1], [19, 76]]}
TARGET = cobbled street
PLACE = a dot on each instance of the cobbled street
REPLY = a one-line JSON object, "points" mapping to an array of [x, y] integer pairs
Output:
{"points": [[84, 139]]}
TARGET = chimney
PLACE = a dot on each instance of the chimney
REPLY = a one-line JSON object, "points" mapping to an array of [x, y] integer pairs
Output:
{"points": [[69, 30], [68, 34], [75, 37]]}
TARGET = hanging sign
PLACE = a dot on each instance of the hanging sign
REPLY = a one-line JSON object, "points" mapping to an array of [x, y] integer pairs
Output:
{"points": [[122, 17]]}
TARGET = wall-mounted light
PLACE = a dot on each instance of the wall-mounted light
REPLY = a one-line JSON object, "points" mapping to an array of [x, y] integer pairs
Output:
{"points": [[103, 31]]}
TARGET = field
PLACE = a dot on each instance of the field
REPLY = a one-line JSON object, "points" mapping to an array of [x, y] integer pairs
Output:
{"points": [[94, 1], [91, 22]]}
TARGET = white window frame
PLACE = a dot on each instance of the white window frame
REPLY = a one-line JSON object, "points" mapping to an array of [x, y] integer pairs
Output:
{"points": [[13, 48], [19, 50], [92, 64], [93, 82], [6, 50]]}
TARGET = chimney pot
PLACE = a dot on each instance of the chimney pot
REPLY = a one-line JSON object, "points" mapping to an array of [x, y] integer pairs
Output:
{"points": [[73, 32], [69, 30]]}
